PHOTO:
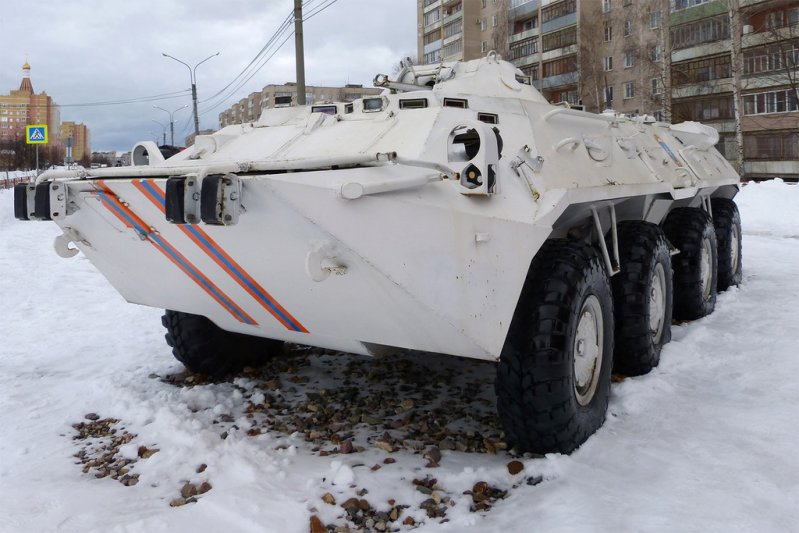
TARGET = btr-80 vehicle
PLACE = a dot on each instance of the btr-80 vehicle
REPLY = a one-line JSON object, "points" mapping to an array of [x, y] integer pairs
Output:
{"points": [[458, 212]]}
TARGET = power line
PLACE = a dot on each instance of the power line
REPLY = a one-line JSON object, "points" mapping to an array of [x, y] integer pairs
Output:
{"points": [[141, 99]]}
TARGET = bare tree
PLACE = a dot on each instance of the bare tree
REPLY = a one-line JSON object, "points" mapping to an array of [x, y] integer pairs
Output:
{"points": [[736, 68], [500, 32]]}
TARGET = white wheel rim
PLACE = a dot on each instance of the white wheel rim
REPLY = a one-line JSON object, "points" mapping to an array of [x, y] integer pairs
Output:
{"points": [[734, 258], [706, 268], [587, 350], [657, 303]]}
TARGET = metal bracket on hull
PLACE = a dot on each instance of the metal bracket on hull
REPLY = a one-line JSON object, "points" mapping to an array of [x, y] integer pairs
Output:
{"points": [[613, 266]]}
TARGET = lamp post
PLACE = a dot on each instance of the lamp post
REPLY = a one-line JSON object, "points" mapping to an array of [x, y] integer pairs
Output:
{"points": [[193, 75], [171, 121], [163, 129]]}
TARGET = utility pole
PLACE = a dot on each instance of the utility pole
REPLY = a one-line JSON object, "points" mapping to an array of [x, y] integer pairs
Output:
{"points": [[299, 52], [193, 76]]}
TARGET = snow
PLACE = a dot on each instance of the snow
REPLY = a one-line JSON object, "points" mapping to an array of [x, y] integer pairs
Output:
{"points": [[708, 441]]}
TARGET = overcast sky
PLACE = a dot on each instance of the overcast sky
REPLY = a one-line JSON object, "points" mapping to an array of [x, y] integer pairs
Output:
{"points": [[85, 51]]}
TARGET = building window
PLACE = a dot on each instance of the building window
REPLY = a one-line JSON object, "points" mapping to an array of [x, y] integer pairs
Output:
{"points": [[532, 71], [605, 6], [703, 31], [431, 17], [656, 52], [782, 101], [774, 146], [608, 96], [607, 63], [703, 109], [483, 4], [524, 48], [432, 37], [433, 57], [627, 3], [629, 59], [483, 24], [608, 32], [657, 86], [452, 48], [559, 39], [560, 66], [782, 57], [628, 27], [654, 20], [453, 28], [484, 47], [494, 21], [629, 90], [703, 70], [685, 4], [561, 9]]}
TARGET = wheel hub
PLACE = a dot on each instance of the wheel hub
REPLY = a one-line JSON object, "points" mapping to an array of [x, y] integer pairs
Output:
{"points": [[706, 268], [588, 350], [657, 303]]}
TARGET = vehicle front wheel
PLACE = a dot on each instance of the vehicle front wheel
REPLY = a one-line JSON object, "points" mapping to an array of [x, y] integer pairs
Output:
{"points": [[205, 348], [553, 376]]}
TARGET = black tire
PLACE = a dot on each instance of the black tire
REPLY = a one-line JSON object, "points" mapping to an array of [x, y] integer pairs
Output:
{"points": [[727, 222], [691, 231], [642, 298], [205, 348], [543, 404]]}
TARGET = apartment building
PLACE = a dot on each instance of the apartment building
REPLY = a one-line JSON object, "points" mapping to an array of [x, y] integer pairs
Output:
{"points": [[78, 137], [22, 107], [595, 53], [249, 109]]}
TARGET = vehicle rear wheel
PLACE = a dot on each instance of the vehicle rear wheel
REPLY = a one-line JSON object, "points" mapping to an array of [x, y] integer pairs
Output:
{"points": [[727, 222], [642, 298], [553, 376], [691, 231], [205, 348]]}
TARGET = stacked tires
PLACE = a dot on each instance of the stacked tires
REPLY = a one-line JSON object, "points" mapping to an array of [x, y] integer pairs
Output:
{"points": [[574, 323]]}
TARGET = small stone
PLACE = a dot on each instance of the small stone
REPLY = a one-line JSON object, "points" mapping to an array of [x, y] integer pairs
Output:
{"points": [[380, 526], [394, 514], [375, 468], [201, 468], [514, 467], [363, 505], [424, 490], [372, 421], [433, 454], [346, 447], [145, 453], [188, 490], [406, 405], [351, 503], [273, 384], [204, 487], [329, 499], [409, 521], [92, 416], [389, 461], [383, 445], [316, 525], [177, 502]]}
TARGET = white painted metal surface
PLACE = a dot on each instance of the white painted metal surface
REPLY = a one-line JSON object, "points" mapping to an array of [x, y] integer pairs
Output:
{"points": [[405, 222]]}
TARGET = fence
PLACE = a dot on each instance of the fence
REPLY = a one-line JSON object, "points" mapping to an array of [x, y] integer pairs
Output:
{"points": [[7, 183]]}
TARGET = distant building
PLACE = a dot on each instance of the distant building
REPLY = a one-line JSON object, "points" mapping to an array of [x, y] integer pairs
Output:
{"points": [[78, 135], [189, 140], [22, 107], [249, 109]]}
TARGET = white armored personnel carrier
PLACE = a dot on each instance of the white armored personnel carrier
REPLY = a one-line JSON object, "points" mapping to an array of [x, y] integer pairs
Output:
{"points": [[458, 212]]}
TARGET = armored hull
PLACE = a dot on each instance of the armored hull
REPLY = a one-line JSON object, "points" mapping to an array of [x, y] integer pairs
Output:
{"points": [[423, 218]]}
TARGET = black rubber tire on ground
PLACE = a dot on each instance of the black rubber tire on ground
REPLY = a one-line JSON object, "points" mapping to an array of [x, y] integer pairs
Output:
{"points": [[205, 348], [543, 405], [727, 222], [642, 297], [691, 231]]}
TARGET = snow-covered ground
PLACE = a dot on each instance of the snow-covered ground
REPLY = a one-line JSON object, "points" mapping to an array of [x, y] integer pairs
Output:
{"points": [[709, 441]]}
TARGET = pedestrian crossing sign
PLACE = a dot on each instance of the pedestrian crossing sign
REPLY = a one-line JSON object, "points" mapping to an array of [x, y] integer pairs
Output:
{"points": [[36, 134]]}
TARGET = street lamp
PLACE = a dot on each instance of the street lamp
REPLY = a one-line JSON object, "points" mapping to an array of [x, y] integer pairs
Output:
{"points": [[171, 121], [193, 74], [163, 129]]}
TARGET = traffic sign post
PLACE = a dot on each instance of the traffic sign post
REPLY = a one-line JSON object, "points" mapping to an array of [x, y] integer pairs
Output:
{"points": [[36, 134]]}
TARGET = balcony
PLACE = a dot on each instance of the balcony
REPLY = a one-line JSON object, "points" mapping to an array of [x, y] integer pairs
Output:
{"points": [[435, 45], [452, 38], [532, 59], [522, 10], [432, 6], [524, 35], [560, 22], [569, 78], [701, 50], [559, 52], [705, 88], [452, 18]]}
